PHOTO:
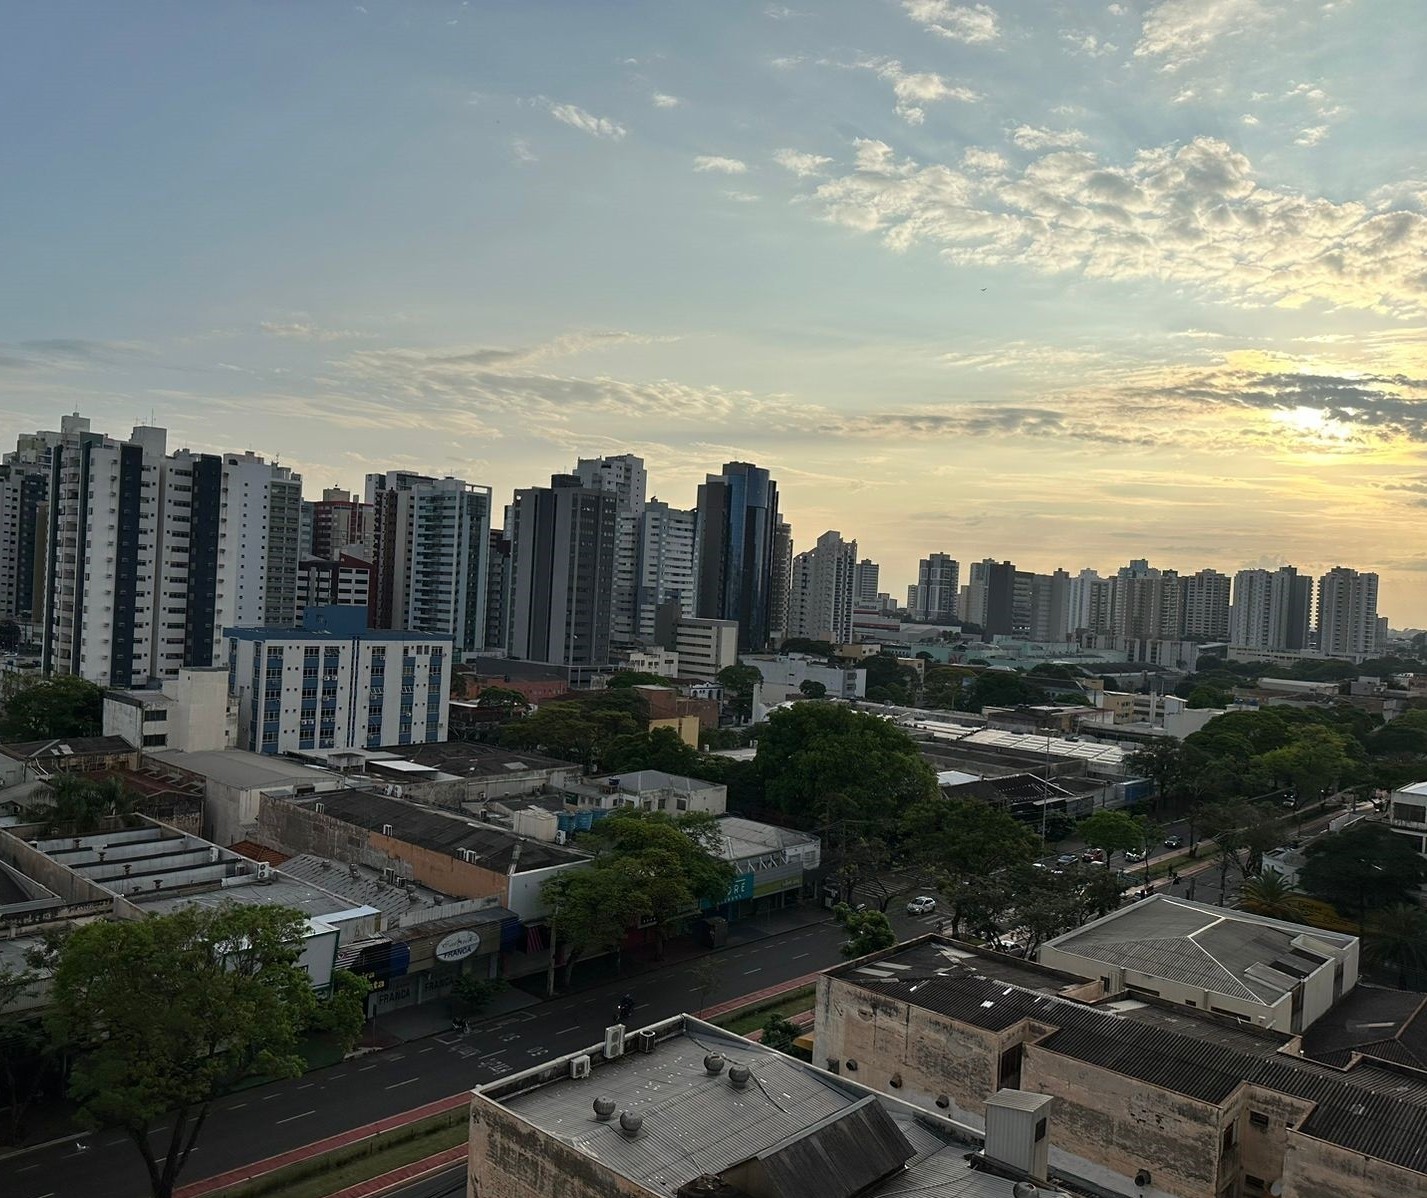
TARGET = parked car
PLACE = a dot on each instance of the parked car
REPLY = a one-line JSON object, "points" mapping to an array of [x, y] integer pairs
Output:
{"points": [[1134, 855], [923, 904], [1067, 859], [1093, 856], [1174, 842]]}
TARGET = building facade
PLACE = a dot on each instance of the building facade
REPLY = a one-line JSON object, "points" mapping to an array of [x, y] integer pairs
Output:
{"points": [[1347, 614], [938, 589], [1271, 610], [561, 573], [1206, 606], [738, 543], [335, 684], [665, 571], [821, 599]]}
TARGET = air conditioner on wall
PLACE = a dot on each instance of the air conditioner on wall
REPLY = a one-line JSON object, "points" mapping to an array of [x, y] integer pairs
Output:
{"points": [[580, 1066]]}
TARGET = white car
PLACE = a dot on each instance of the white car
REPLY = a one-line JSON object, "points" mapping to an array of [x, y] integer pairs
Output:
{"points": [[923, 904]]}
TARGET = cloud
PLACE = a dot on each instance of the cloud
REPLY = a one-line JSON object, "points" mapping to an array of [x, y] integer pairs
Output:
{"points": [[586, 122], [1315, 97], [916, 88], [1249, 119], [521, 151], [1087, 44], [302, 331], [1179, 31], [1188, 215], [1028, 137], [664, 100], [801, 164], [68, 353], [742, 197], [973, 24], [983, 161], [721, 166], [780, 12], [1311, 137]]}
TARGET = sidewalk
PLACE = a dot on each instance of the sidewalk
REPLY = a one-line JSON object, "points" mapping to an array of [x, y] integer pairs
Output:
{"points": [[432, 1018]]}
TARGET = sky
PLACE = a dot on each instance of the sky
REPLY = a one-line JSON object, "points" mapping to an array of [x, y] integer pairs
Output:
{"points": [[1066, 283]]}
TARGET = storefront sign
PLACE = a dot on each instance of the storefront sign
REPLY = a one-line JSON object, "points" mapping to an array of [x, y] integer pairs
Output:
{"points": [[458, 946]]}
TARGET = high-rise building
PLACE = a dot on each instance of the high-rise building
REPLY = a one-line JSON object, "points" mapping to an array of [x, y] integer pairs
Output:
{"points": [[1347, 613], [151, 554], [1091, 603], [1147, 603], [24, 486], [498, 590], [339, 521], [820, 601], [665, 571], [864, 583], [937, 589], [738, 545], [562, 541], [345, 581], [1050, 607], [1206, 606], [432, 540], [781, 582], [991, 595], [1272, 609], [624, 477]]}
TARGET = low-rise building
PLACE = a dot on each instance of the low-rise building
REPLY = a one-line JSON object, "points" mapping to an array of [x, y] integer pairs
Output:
{"points": [[191, 712], [1201, 1105], [785, 673], [683, 1109], [772, 865], [704, 647], [649, 790], [1407, 814], [1265, 972], [334, 684]]}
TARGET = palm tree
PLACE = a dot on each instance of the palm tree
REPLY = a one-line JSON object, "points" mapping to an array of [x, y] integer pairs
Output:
{"points": [[1271, 894], [1398, 939]]}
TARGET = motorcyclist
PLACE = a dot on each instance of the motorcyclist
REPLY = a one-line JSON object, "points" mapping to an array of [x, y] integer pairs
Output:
{"points": [[626, 1006]]}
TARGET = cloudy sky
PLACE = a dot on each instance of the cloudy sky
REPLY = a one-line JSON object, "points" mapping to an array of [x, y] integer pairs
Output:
{"points": [[1057, 281]]}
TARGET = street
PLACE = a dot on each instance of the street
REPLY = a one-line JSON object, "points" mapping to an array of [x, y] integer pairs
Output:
{"points": [[266, 1120]]}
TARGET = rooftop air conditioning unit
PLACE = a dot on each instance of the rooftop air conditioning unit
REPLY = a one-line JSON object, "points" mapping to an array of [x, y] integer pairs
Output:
{"points": [[265, 871], [614, 1041], [580, 1066], [644, 1040]]}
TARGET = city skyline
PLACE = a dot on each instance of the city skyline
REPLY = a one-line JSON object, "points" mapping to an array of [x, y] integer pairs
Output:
{"points": [[1131, 280]]}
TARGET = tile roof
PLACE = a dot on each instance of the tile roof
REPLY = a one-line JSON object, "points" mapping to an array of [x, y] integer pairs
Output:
{"points": [[1380, 1111]]}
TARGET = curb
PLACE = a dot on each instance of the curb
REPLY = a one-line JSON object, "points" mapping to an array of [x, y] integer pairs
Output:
{"points": [[72, 1138], [709, 1014], [256, 1169], [406, 1174]]}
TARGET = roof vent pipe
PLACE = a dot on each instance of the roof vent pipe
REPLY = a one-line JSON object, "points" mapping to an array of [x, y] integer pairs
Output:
{"points": [[714, 1063], [604, 1109], [630, 1123], [738, 1076]]}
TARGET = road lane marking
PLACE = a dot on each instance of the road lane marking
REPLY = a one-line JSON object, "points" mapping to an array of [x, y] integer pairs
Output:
{"points": [[428, 1048], [308, 1086], [564, 1030], [238, 1106], [800, 956], [27, 1168], [290, 1118], [364, 1068], [407, 1082], [746, 972]]}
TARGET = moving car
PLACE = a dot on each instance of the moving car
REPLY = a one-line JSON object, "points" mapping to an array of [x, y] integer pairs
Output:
{"points": [[923, 904], [1093, 856], [1174, 842], [1134, 855]]}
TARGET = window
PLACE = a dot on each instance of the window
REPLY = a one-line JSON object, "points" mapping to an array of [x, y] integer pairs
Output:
{"points": [[1227, 1141], [1258, 1119], [1253, 1183]]}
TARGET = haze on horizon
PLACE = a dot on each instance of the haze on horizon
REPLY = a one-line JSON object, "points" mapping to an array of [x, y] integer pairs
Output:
{"points": [[1066, 283]]}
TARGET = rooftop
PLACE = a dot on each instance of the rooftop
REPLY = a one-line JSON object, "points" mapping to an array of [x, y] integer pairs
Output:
{"points": [[791, 1130], [642, 781], [65, 746], [238, 767], [1224, 951], [361, 885], [491, 847], [1376, 1110], [749, 838], [1386, 1025], [329, 634], [468, 760]]}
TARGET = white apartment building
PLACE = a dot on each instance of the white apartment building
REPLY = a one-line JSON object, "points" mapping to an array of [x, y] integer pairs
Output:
{"points": [[191, 713], [667, 537], [936, 595], [820, 600], [337, 685], [343, 582], [1206, 605], [864, 583], [1272, 610], [449, 547], [625, 478], [704, 647], [1347, 614]]}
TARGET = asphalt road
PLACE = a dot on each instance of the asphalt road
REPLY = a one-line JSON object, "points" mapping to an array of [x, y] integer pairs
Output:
{"points": [[274, 1118]]}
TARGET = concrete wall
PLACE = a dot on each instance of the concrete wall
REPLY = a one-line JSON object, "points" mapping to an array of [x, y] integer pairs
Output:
{"points": [[124, 719], [509, 1158], [1313, 1169], [54, 877]]}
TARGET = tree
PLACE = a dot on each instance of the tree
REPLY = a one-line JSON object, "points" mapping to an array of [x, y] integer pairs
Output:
{"points": [[343, 1013], [973, 848], [1397, 938], [658, 749], [1058, 825], [1113, 831], [867, 931], [1160, 761], [1056, 903], [738, 683], [801, 644], [888, 681], [999, 688], [1313, 761], [647, 867], [1271, 894], [811, 751], [1243, 832], [578, 729], [472, 994], [27, 1055], [81, 802], [503, 699], [1363, 868], [811, 689], [47, 708], [169, 1012], [779, 1033], [10, 636], [627, 678]]}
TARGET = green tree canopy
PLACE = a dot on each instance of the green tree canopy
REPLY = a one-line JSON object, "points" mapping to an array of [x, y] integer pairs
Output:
{"points": [[1271, 894], [1314, 759], [812, 690], [738, 683], [503, 699], [779, 1033], [1113, 831], [867, 931], [1160, 761], [888, 681], [999, 688], [658, 749], [579, 729], [814, 750], [627, 678], [1363, 868], [46, 708], [168, 1012], [1397, 940]]}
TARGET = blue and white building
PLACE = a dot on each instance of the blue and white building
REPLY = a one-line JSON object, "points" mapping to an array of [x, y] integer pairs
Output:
{"points": [[336, 684]]}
